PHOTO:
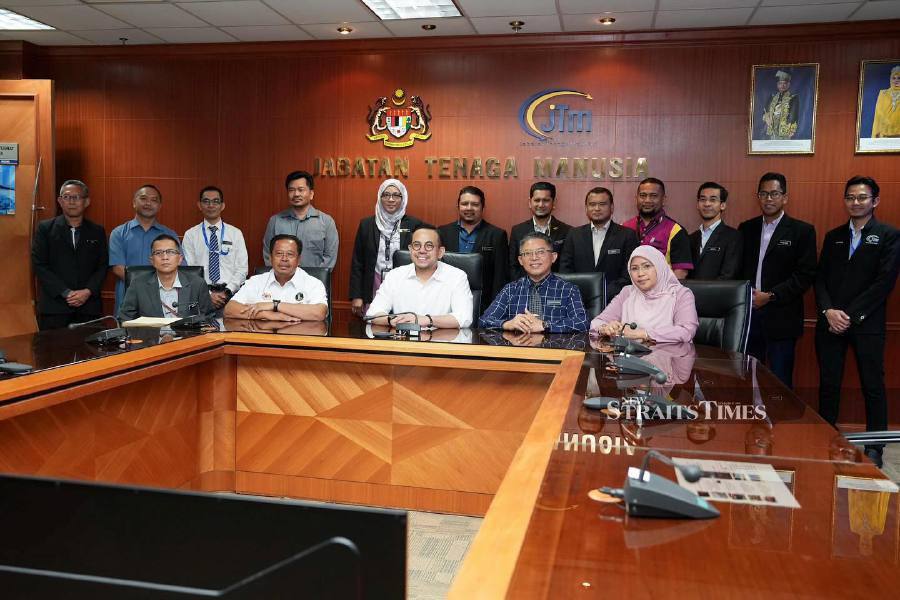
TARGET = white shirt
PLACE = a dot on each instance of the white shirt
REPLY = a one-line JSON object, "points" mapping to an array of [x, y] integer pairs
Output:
{"points": [[706, 233], [855, 239], [546, 229], [598, 235], [302, 288], [232, 252], [765, 237], [445, 293], [169, 297]]}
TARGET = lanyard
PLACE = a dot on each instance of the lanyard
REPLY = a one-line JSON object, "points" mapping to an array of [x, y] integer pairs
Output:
{"points": [[221, 239]]}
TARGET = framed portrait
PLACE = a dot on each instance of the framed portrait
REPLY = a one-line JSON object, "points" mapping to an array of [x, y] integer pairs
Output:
{"points": [[878, 110], [783, 108]]}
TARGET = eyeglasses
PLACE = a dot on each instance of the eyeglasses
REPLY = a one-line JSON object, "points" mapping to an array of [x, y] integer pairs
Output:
{"points": [[775, 195], [641, 268], [389, 195], [166, 252], [70, 198], [541, 253], [861, 198], [429, 246], [284, 255], [209, 201]]}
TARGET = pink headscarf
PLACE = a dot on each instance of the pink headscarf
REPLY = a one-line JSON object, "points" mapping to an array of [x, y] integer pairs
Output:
{"points": [[655, 307]]}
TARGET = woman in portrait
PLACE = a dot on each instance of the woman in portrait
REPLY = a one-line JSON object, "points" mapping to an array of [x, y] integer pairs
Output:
{"points": [[887, 109]]}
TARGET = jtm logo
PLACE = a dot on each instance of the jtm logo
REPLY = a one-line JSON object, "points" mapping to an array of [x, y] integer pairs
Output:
{"points": [[559, 118]]}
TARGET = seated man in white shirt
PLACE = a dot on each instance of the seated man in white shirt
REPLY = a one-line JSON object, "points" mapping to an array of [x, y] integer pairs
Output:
{"points": [[286, 293], [429, 292]]}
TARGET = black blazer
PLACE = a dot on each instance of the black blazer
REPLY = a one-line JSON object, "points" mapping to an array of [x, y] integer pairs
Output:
{"points": [[721, 257], [558, 233], [860, 285], [491, 242], [578, 255], [788, 270], [142, 297], [365, 248], [58, 266]]}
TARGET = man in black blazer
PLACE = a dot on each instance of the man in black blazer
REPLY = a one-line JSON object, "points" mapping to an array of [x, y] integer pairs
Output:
{"points": [[166, 292], [541, 202], [857, 271], [471, 233], [602, 245], [780, 262], [716, 248], [70, 258]]}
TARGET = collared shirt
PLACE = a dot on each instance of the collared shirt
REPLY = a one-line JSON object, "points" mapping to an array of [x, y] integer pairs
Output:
{"points": [[667, 236], [302, 288], [598, 236], [232, 252], [466, 239], [855, 238], [765, 237], [445, 293], [546, 229], [129, 245], [561, 300], [706, 233], [316, 230], [169, 298]]}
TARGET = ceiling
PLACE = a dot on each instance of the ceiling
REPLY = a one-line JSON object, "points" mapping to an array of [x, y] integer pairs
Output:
{"points": [[99, 22]]}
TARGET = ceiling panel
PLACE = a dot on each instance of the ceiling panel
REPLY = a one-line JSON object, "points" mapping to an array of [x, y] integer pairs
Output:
{"points": [[152, 15], [711, 17], [878, 10], [72, 18], [191, 35], [235, 13], [46, 38], [328, 31], [536, 24], [777, 15], [268, 33], [504, 8], [107, 37], [444, 26], [681, 4], [317, 11], [624, 22], [582, 7]]}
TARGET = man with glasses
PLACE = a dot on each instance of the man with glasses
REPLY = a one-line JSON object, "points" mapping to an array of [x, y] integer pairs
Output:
{"points": [[715, 247], [428, 292], [780, 263], [655, 228], [315, 230], [539, 301], [69, 257], [286, 293], [541, 202], [857, 272], [165, 292], [217, 246], [129, 243]]}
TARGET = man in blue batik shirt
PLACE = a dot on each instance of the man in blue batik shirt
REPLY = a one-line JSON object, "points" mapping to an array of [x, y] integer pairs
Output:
{"points": [[540, 301]]}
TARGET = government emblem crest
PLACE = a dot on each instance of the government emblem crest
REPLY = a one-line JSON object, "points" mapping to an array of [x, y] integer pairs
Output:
{"points": [[398, 124]]}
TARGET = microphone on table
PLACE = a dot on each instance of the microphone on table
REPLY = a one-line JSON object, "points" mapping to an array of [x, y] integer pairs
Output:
{"points": [[650, 495], [190, 322], [103, 318], [106, 337], [13, 368], [411, 329], [628, 346]]}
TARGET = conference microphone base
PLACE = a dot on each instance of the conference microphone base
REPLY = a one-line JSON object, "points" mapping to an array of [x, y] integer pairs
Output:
{"points": [[658, 497], [107, 337]]}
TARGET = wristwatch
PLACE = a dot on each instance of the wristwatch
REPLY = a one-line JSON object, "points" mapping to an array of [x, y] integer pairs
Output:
{"points": [[275, 304]]}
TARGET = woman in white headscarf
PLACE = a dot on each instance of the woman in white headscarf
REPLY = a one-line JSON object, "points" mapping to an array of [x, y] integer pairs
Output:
{"points": [[377, 238]]}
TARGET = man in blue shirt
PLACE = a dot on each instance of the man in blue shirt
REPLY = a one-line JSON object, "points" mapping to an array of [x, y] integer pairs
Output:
{"points": [[539, 301], [129, 243]]}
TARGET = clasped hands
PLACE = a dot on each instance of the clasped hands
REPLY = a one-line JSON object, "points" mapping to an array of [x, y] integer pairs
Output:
{"points": [[838, 321], [266, 311], [614, 328], [76, 298], [526, 322]]}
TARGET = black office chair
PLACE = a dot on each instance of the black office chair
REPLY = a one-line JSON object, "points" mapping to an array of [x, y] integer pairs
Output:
{"points": [[470, 263], [593, 290], [323, 274], [724, 311], [138, 270]]}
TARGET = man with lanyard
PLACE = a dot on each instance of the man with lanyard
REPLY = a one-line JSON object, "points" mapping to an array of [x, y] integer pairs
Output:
{"points": [[655, 228], [539, 301], [129, 243], [218, 247], [286, 293], [857, 272], [315, 230], [541, 202]]}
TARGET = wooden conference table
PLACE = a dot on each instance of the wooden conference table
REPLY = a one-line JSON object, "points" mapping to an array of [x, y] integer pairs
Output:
{"points": [[468, 423]]}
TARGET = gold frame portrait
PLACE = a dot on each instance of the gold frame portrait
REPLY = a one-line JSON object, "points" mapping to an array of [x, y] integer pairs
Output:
{"points": [[867, 101], [759, 144]]}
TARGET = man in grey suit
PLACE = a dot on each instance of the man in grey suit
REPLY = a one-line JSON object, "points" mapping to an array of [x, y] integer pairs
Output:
{"points": [[166, 292]]}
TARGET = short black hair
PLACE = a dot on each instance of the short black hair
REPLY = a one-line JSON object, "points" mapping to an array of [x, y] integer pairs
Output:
{"points": [[85, 193], [165, 236], [152, 187], [285, 236], [471, 189], [421, 226], [536, 235], [863, 180], [293, 175], [599, 190], [212, 188], [723, 193], [543, 185], [654, 180], [772, 176]]}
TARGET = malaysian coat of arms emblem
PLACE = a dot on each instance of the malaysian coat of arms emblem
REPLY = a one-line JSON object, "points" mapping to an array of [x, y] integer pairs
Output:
{"points": [[398, 124]]}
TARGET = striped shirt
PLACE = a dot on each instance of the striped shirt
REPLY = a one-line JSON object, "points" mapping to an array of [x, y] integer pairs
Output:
{"points": [[563, 309]]}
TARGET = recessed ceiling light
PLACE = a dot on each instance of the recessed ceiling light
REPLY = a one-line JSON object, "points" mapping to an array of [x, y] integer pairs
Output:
{"points": [[429, 27], [517, 25], [16, 22], [606, 20], [345, 30], [412, 9]]}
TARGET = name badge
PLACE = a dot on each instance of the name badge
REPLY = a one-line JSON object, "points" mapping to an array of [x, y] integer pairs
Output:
{"points": [[226, 242], [614, 251], [487, 248], [267, 295], [554, 302], [872, 239], [714, 249], [839, 242], [784, 242], [403, 231], [299, 297]]}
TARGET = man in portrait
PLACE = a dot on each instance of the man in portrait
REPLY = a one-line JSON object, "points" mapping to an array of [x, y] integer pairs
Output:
{"points": [[781, 112]]}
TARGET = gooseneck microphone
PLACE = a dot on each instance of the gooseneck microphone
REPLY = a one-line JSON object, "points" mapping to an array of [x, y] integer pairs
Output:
{"points": [[103, 318], [191, 321]]}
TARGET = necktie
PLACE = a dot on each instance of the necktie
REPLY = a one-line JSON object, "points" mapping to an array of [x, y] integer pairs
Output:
{"points": [[75, 236], [213, 255], [535, 306]]}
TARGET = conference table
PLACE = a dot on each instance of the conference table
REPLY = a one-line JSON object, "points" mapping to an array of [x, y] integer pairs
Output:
{"points": [[469, 422]]}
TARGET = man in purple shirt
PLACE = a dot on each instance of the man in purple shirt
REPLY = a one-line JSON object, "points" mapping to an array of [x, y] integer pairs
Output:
{"points": [[655, 228]]}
